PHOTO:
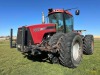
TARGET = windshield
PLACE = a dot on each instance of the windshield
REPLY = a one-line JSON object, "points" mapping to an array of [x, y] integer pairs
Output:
{"points": [[68, 22], [59, 20]]}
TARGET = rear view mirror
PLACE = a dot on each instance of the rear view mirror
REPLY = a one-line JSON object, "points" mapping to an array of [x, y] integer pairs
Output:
{"points": [[77, 12]]}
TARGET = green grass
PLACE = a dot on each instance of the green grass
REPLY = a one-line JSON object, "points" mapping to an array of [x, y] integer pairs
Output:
{"points": [[12, 62]]}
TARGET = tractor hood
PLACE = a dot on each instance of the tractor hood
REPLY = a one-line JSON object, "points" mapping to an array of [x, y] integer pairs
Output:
{"points": [[37, 32], [42, 26], [40, 30]]}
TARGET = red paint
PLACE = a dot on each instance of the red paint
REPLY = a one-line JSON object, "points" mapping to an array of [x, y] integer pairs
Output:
{"points": [[60, 11], [38, 35]]}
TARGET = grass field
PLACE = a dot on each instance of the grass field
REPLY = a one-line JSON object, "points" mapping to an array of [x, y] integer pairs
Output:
{"points": [[12, 62]]}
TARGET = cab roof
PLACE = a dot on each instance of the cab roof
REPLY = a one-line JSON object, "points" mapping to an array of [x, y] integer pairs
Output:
{"points": [[51, 11]]}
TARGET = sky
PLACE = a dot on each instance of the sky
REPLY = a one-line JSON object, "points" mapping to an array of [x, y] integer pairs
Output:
{"points": [[16, 13]]}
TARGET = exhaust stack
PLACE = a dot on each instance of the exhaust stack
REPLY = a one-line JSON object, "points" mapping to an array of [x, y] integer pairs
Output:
{"points": [[43, 19]]}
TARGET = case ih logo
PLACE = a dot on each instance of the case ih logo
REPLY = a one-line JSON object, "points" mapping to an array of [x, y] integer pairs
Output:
{"points": [[36, 30], [48, 27]]}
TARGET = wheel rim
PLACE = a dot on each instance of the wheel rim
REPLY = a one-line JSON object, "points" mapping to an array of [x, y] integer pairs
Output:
{"points": [[76, 49]]}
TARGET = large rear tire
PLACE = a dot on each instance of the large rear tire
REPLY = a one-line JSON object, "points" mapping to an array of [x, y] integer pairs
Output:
{"points": [[70, 50], [88, 45]]}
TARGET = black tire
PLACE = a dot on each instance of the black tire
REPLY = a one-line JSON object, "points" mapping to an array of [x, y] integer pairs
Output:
{"points": [[82, 36], [53, 41], [88, 45], [67, 50]]}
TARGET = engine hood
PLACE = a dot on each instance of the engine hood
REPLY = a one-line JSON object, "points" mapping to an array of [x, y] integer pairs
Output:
{"points": [[40, 30], [41, 25]]}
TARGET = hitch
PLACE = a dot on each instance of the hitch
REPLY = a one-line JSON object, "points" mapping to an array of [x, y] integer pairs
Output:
{"points": [[12, 45]]}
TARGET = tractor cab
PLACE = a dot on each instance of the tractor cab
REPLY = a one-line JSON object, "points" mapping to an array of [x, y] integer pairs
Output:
{"points": [[62, 18]]}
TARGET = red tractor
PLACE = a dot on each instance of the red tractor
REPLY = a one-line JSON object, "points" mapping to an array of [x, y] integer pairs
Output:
{"points": [[57, 40]]}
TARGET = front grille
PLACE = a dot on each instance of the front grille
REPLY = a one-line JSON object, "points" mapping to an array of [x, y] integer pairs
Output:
{"points": [[27, 37], [19, 36]]}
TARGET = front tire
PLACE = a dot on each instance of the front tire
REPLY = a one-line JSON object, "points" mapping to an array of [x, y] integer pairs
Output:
{"points": [[53, 41]]}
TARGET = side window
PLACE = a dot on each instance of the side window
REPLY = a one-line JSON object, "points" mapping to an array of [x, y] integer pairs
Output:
{"points": [[69, 22]]}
